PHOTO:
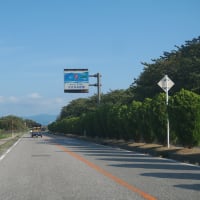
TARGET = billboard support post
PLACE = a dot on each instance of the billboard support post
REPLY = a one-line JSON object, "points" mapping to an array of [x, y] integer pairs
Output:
{"points": [[98, 85]]}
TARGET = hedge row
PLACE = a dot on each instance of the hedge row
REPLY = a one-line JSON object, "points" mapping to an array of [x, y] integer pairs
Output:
{"points": [[141, 121]]}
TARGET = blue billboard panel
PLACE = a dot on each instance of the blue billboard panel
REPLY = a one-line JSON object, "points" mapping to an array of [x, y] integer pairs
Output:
{"points": [[76, 80]]}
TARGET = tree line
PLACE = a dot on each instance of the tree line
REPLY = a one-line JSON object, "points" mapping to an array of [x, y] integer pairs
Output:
{"points": [[16, 124], [140, 112]]}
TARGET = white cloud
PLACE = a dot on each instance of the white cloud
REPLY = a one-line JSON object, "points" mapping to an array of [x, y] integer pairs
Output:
{"points": [[31, 104], [59, 100], [34, 95], [13, 99], [2, 99]]}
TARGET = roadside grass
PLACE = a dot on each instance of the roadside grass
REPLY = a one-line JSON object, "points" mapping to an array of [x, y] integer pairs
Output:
{"points": [[9, 142], [5, 135]]}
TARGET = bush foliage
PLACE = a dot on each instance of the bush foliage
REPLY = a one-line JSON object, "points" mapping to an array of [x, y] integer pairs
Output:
{"points": [[141, 121]]}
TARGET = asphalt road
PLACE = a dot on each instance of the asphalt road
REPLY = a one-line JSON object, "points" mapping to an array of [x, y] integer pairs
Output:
{"points": [[59, 168]]}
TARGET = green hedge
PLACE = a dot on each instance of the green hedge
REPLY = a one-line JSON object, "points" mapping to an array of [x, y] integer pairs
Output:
{"points": [[141, 121], [184, 113]]}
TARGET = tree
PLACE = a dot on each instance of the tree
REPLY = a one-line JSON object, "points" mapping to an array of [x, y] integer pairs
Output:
{"points": [[181, 65], [12, 123], [78, 107], [184, 113], [145, 123], [159, 118], [117, 97], [134, 121], [30, 123]]}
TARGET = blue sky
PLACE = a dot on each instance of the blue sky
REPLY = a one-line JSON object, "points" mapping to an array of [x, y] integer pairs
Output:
{"points": [[40, 38]]}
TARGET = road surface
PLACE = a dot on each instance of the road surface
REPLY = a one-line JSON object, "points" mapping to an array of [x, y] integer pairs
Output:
{"points": [[60, 168]]}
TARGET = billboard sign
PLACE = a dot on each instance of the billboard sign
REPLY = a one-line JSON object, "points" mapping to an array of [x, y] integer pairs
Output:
{"points": [[76, 80]]}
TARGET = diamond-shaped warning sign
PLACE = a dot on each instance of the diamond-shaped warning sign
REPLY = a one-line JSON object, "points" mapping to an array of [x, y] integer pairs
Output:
{"points": [[166, 83]]}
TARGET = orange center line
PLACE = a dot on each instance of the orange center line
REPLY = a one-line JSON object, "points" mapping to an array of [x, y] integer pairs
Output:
{"points": [[108, 175]]}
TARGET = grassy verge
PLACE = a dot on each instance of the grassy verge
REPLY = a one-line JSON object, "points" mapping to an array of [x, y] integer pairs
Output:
{"points": [[9, 142], [5, 135]]}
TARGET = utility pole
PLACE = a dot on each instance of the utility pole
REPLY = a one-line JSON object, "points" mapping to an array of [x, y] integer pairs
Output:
{"points": [[12, 127]]}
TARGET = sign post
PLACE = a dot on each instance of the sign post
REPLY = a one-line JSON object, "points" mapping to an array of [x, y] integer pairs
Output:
{"points": [[98, 85], [166, 84]]}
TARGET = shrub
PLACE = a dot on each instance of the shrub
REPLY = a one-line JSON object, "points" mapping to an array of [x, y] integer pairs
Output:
{"points": [[184, 114]]}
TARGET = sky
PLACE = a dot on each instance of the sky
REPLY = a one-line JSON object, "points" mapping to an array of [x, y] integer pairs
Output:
{"points": [[41, 38]]}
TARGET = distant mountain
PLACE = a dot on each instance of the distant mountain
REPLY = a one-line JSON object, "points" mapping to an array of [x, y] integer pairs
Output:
{"points": [[43, 119]]}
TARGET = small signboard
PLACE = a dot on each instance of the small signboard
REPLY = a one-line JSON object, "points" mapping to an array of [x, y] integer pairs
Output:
{"points": [[166, 83], [76, 80]]}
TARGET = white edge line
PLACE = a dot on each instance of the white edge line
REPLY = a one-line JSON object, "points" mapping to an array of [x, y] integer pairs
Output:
{"points": [[9, 150]]}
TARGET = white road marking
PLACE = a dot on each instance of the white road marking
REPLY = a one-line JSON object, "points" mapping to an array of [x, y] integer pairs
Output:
{"points": [[9, 150]]}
